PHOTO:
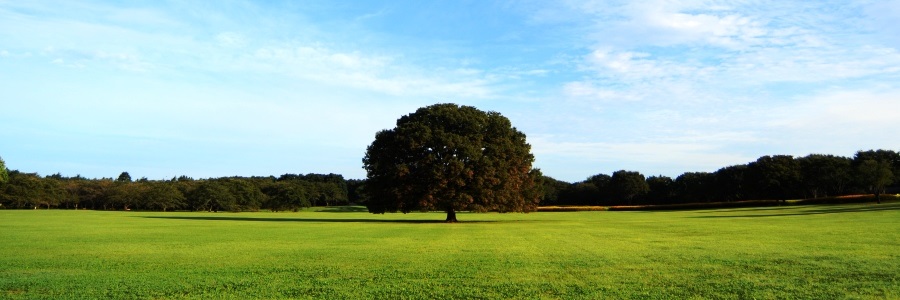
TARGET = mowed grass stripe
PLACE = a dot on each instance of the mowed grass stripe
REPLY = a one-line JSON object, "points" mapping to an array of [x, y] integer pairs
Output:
{"points": [[813, 252]]}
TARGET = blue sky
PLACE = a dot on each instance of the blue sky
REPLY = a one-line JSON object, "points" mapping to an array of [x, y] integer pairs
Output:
{"points": [[222, 88]]}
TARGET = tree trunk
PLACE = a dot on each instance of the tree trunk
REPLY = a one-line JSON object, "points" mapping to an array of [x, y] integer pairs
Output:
{"points": [[451, 216], [877, 197]]}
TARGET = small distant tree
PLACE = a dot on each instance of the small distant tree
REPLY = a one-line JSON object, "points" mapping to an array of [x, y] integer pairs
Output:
{"points": [[451, 158], [124, 177], [875, 175], [890, 157]]}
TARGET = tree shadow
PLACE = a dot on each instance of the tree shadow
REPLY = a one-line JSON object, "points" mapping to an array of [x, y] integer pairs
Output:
{"points": [[307, 220], [344, 209], [754, 208], [820, 211]]}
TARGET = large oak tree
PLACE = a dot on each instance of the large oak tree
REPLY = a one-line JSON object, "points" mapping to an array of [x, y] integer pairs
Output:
{"points": [[451, 158]]}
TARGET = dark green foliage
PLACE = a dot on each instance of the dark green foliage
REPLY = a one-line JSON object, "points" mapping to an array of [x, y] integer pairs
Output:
{"points": [[182, 193], [24, 190], [211, 195], [875, 170], [605, 192], [661, 190], [162, 196], [93, 194], [825, 175], [877, 176], [124, 177], [125, 195], [696, 187], [450, 158], [355, 191], [731, 182], [320, 189], [552, 189], [285, 195], [892, 158], [582, 193], [4, 173], [628, 184], [776, 177], [595, 190]]}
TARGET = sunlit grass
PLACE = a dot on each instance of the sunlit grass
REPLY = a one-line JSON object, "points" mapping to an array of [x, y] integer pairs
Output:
{"points": [[814, 252]]}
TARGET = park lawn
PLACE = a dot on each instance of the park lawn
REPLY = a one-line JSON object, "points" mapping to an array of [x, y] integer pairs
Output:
{"points": [[812, 252]]}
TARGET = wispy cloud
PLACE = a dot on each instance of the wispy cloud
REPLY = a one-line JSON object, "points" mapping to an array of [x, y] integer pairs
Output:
{"points": [[381, 73], [860, 117], [746, 76], [130, 39]]}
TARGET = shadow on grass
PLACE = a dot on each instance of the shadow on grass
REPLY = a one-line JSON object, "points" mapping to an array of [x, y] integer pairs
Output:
{"points": [[343, 209], [309, 220], [804, 211], [755, 208]]}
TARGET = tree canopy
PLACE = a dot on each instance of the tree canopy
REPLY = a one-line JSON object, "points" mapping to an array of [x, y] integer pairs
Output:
{"points": [[777, 177], [628, 184], [4, 176], [451, 158]]}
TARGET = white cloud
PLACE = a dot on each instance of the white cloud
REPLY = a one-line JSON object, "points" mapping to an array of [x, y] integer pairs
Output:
{"points": [[834, 121], [138, 16], [142, 40], [678, 22], [629, 66], [230, 39], [704, 51], [372, 72], [674, 157], [843, 114], [590, 91], [811, 64]]}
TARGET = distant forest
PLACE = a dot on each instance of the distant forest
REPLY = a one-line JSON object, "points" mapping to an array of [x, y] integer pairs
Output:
{"points": [[777, 177]]}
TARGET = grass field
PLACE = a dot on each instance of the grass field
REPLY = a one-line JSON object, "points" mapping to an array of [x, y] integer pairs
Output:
{"points": [[813, 252]]}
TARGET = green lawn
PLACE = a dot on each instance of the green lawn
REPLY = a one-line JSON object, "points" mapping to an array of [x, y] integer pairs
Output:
{"points": [[813, 252]]}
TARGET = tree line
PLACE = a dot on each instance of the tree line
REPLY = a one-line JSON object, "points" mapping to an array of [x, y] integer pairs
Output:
{"points": [[289, 192], [776, 177]]}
